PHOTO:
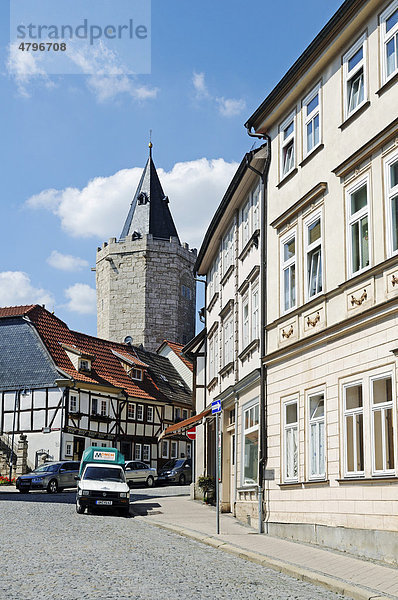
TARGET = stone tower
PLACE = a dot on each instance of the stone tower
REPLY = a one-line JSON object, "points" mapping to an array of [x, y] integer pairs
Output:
{"points": [[145, 282]]}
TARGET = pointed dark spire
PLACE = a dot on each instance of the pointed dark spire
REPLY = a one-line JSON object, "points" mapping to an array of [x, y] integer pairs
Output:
{"points": [[149, 211]]}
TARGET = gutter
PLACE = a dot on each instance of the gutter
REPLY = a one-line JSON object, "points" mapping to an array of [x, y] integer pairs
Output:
{"points": [[263, 286]]}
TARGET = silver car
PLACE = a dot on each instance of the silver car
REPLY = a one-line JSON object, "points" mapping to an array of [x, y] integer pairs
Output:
{"points": [[138, 472], [52, 477]]}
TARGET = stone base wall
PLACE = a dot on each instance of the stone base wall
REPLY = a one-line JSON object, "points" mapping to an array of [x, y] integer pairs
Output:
{"points": [[365, 543]]}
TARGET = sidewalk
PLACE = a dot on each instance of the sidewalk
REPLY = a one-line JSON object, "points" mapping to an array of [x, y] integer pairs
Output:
{"points": [[341, 573]]}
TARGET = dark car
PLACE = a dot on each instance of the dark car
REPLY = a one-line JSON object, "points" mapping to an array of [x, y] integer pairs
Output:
{"points": [[177, 470], [52, 477]]}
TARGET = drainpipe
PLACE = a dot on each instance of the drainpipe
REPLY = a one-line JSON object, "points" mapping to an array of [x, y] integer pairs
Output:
{"points": [[236, 449], [263, 285]]}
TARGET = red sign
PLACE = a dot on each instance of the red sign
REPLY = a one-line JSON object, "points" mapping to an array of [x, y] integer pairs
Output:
{"points": [[191, 433]]}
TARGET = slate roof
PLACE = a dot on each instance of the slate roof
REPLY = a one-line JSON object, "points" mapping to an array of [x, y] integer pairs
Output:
{"points": [[23, 361], [149, 211], [107, 368]]}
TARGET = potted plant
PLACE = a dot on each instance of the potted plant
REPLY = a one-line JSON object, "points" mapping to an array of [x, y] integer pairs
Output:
{"points": [[206, 484]]}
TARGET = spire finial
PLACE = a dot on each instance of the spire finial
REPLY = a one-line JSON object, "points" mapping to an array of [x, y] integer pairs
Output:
{"points": [[150, 145]]}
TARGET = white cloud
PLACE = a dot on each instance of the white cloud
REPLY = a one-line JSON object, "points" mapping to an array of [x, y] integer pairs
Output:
{"points": [[66, 262], [227, 107], [195, 189], [24, 67], [17, 289], [81, 299]]}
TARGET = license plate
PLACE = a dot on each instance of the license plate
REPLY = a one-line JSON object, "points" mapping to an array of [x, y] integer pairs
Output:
{"points": [[104, 502]]}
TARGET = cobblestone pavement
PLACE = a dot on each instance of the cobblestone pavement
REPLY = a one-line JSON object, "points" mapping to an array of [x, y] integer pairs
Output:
{"points": [[48, 551]]}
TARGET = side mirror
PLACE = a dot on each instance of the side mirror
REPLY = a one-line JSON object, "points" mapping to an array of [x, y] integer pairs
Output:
{"points": [[77, 478]]}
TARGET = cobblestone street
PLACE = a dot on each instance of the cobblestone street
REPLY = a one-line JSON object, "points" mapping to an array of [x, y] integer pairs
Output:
{"points": [[50, 552]]}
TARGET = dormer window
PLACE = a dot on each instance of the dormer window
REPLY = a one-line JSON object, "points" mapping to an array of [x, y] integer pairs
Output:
{"points": [[136, 374], [142, 198], [84, 365]]}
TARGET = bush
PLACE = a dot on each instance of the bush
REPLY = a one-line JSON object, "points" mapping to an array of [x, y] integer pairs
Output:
{"points": [[6, 480], [207, 485]]}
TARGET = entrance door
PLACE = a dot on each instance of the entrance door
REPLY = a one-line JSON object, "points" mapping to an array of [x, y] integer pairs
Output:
{"points": [[125, 449], [78, 447], [232, 473]]}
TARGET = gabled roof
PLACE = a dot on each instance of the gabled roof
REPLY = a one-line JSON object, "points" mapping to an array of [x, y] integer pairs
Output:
{"points": [[149, 211], [177, 349], [107, 366], [15, 311]]}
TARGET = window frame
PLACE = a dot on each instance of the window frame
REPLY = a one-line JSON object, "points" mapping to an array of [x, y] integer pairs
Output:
{"points": [[146, 453], [385, 38], [245, 321], [247, 408], [316, 421], [137, 451], [348, 76], [173, 449], [68, 448], [309, 249], [76, 398], [255, 312], [149, 414], [348, 413], [286, 428], [165, 444], [390, 194], [307, 119], [131, 411], [134, 371], [228, 339], [287, 264], [139, 409], [228, 258], [382, 407], [285, 142], [357, 218]]}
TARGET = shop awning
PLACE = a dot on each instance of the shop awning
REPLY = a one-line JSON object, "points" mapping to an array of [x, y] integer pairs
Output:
{"points": [[184, 425]]}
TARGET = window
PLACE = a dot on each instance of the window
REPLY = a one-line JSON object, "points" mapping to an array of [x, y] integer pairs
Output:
{"points": [[73, 403], [149, 414], [312, 120], [382, 425], [358, 223], [291, 441], [185, 414], [287, 145], [245, 216], [189, 453], [173, 450], [255, 314], [313, 241], [146, 453], [354, 73], [228, 250], [389, 41], [288, 278], [186, 292], [165, 449], [84, 365], [391, 186], [95, 444], [94, 406], [316, 431], [353, 429], [140, 412], [245, 321], [68, 449], [228, 329], [131, 410], [136, 374], [212, 280], [250, 446], [213, 356], [104, 408], [137, 452]]}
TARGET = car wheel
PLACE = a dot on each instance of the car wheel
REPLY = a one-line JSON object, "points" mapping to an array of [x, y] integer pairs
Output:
{"points": [[79, 508], [125, 511], [150, 482], [181, 480], [52, 487], [23, 491]]}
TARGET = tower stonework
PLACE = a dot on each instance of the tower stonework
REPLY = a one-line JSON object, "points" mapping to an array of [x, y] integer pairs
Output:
{"points": [[145, 281]]}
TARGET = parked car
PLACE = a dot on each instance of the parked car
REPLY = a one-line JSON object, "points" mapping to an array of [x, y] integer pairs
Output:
{"points": [[52, 477], [177, 470], [138, 472]]}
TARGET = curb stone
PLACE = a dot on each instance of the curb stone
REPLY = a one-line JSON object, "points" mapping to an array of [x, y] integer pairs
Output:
{"points": [[333, 584]]}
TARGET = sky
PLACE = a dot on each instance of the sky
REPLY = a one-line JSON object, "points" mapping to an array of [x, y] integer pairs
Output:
{"points": [[73, 147]]}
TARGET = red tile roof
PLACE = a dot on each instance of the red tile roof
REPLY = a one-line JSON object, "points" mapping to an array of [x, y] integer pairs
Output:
{"points": [[177, 349], [107, 369]]}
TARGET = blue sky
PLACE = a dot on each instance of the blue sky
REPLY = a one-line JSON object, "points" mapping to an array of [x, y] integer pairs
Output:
{"points": [[212, 64]]}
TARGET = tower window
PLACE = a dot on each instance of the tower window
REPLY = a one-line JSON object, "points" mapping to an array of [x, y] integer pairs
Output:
{"points": [[142, 198], [186, 292]]}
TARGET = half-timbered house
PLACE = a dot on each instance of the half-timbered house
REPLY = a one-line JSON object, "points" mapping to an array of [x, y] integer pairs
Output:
{"points": [[67, 390]]}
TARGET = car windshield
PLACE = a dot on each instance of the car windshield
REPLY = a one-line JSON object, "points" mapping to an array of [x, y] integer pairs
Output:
{"points": [[46, 468], [104, 474], [173, 464]]}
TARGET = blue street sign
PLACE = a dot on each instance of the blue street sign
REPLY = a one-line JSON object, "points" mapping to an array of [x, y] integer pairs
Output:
{"points": [[216, 407]]}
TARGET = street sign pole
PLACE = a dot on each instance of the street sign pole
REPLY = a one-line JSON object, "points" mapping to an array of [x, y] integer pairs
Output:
{"points": [[217, 474]]}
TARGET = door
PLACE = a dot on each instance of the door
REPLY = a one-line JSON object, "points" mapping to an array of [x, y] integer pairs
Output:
{"points": [[125, 449], [78, 447], [232, 473]]}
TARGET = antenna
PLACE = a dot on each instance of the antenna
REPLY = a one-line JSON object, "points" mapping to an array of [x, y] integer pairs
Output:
{"points": [[150, 143]]}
